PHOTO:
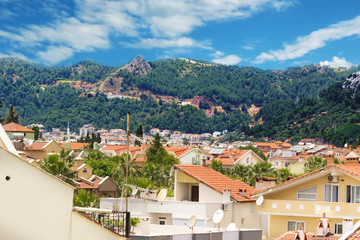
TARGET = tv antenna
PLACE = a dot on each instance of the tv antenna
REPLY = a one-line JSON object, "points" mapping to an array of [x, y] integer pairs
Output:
{"points": [[162, 195], [134, 191], [231, 227], [191, 223], [259, 200], [217, 217]]}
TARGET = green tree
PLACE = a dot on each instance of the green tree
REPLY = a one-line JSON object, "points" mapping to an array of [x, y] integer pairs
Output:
{"points": [[37, 132], [314, 163], [84, 198], [156, 153], [218, 166], [59, 167], [12, 116], [140, 134]]}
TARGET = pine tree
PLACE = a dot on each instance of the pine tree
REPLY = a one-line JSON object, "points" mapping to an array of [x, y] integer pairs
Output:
{"points": [[139, 133], [12, 116]]}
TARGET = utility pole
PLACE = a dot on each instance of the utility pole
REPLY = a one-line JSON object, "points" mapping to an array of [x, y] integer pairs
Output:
{"points": [[127, 225]]}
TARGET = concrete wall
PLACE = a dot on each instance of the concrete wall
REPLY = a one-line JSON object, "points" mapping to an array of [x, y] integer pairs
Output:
{"points": [[34, 205], [86, 229], [245, 215], [208, 194]]}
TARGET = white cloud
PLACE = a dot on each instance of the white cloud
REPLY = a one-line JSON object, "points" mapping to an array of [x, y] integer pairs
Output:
{"points": [[217, 54], [228, 60], [55, 54], [336, 62], [183, 42], [316, 39], [95, 24]]}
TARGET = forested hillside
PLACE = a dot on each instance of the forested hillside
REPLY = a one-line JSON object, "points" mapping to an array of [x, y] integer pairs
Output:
{"points": [[295, 102]]}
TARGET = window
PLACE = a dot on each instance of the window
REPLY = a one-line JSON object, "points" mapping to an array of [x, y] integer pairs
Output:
{"points": [[352, 194], [162, 220], [295, 225], [307, 194], [338, 228], [287, 164], [331, 193], [85, 171]]}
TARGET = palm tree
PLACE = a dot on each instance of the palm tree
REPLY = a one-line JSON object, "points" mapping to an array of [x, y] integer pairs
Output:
{"points": [[314, 163], [59, 167], [85, 198]]}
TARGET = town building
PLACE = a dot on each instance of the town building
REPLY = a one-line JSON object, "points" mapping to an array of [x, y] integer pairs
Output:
{"points": [[334, 190]]}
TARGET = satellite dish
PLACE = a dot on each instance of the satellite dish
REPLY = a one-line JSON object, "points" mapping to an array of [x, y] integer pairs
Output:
{"points": [[191, 222], [134, 191], [231, 227], [162, 195], [259, 200], [218, 216]]}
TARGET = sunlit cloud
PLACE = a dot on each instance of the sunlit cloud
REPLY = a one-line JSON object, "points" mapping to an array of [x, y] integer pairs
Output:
{"points": [[336, 62], [315, 40]]}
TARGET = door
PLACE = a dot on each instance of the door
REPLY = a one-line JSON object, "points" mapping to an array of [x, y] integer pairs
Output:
{"points": [[194, 193]]}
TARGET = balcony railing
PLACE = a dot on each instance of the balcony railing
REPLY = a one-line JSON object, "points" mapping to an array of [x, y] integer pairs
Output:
{"points": [[113, 220]]}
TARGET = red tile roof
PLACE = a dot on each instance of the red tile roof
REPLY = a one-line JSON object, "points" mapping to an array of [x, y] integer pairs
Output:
{"points": [[309, 236], [76, 145], [14, 127], [179, 152], [349, 168], [35, 146], [122, 148], [218, 181]]}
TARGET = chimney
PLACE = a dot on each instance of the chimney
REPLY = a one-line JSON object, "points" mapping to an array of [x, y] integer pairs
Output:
{"points": [[242, 192], [226, 195], [300, 234], [348, 224], [323, 228]]}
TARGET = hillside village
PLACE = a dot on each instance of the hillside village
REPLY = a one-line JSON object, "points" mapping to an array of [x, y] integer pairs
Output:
{"points": [[308, 189]]}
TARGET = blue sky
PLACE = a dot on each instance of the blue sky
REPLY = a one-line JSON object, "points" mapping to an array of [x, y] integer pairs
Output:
{"points": [[260, 33]]}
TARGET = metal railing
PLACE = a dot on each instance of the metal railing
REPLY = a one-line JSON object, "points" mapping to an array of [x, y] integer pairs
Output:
{"points": [[116, 221]]}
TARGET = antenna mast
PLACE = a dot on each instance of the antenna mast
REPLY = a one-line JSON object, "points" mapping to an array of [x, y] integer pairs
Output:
{"points": [[127, 226]]}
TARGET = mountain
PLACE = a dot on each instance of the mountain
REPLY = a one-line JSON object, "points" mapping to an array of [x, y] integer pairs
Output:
{"points": [[186, 95]]}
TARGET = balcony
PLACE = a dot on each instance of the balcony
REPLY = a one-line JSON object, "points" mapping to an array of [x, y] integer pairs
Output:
{"points": [[309, 208]]}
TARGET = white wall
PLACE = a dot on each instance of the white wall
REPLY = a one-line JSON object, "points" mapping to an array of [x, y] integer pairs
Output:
{"points": [[188, 158], [245, 215], [33, 204], [251, 157], [209, 195], [85, 229]]}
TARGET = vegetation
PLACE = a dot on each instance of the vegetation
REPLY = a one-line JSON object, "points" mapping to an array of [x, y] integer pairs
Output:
{"points": [[249, 173], [59, 167], [314, 163], [12, 116], [298, 102], [84, 198], [155, 174]]}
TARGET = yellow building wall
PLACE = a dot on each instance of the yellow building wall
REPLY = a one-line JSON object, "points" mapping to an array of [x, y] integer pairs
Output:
{"points": [[291, 194], [184, 178], [85, 175], [311, 223]]}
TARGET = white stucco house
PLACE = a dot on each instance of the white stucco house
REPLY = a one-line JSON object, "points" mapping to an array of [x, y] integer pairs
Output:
{"points": [[35, 205]]}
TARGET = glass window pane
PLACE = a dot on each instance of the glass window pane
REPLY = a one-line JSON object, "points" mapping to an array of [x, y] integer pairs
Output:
{"points": [[335, 193], [298, 225], [291, 225], [327, 197]]}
